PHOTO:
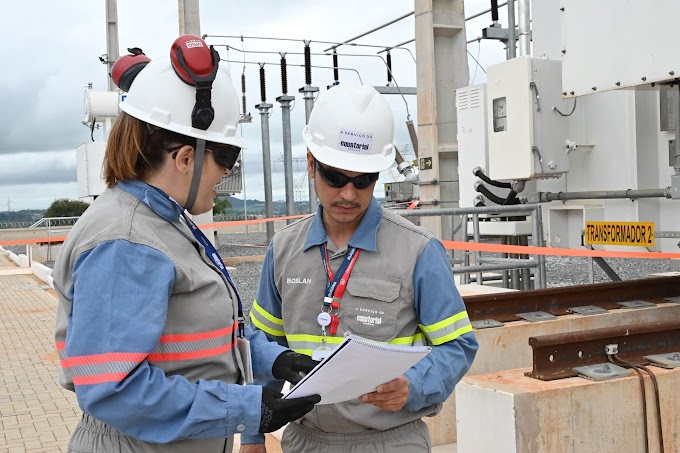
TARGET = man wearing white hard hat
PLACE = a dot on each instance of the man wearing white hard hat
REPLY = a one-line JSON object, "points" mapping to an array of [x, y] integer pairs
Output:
{"points": [[376, 274]]}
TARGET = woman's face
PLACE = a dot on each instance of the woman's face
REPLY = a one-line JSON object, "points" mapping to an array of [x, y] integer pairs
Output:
{"points": [[210, 177]]}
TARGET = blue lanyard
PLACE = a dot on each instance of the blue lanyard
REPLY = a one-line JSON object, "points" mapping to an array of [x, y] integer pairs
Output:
{"points": [[332, 285], [215, 257]]}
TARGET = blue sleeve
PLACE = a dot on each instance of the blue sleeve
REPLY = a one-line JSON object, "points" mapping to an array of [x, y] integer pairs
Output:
{"points": [[266, 322], [120, 294], [443, 319]]}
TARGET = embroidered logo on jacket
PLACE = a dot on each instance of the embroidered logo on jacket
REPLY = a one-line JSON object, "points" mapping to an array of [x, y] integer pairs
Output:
{"points": [[369, 320]]}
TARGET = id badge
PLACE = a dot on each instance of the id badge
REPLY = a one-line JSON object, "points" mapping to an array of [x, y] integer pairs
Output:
{"points": [[321, 353], [244, 350]]}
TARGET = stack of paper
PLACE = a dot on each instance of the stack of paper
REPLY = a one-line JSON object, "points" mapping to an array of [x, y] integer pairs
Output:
{"points": [[357, 366]]}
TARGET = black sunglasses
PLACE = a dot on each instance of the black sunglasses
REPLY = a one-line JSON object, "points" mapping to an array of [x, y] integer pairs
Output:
{"points": [[224, 155], [338, 180]]}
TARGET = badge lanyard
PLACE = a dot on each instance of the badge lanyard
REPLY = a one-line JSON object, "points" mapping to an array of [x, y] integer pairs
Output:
{"points": [[216, 259], [335, 288]]}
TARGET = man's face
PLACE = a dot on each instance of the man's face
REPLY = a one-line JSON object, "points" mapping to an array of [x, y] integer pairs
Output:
{"points": [[346, 204]]}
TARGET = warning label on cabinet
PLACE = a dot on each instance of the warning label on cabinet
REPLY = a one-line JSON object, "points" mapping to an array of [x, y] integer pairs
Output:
{"points": [[640, 234]]}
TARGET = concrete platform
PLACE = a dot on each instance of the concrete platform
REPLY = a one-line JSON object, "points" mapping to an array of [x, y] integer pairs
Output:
{"points": [[571, 415]]}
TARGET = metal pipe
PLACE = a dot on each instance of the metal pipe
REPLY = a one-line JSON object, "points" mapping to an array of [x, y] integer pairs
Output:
{"points": [[606, 194], [189, 17], [266, 166], [505, 274], [526, 273], [285, 102], [512, 41], [371, 31], [308, 95], [514, 209], [465, 277], [111, 38], [478, 255], [491, 267], [536, 242], [516, 284], [524, 15], [495, 260], [541, 258]]}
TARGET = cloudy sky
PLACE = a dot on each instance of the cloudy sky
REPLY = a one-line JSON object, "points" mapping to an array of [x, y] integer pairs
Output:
{"points": [[50, 62]]}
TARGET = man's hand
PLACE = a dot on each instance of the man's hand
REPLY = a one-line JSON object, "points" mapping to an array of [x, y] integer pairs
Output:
{"points": [[276, 411], [390, 396], [289, 364], [253, 448]]}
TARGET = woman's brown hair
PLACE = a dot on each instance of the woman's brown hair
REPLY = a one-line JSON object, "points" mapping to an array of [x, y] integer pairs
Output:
{"points": [[134, 150]]}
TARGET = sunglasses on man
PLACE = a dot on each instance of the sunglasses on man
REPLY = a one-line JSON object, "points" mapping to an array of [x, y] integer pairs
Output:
{"points": [[224, 155], [338, 180]]}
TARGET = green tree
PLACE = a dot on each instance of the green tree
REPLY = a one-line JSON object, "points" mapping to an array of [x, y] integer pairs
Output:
{"points": [[63, 207], [221, 206]]}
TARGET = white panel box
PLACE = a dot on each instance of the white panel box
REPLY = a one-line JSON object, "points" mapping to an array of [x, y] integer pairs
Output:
{"points": [[527, 136], [473, 148], [89, 160], [613, 44]]}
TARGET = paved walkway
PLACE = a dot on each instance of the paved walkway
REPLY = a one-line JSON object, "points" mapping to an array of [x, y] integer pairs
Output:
{"points": [[36, 414]]}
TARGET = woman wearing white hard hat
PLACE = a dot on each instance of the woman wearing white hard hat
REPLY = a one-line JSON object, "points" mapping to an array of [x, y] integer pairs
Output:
{"points": [[150, 324]]}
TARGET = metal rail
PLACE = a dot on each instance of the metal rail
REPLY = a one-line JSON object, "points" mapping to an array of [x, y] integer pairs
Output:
{"points": [[503, 307], [556, 355]]}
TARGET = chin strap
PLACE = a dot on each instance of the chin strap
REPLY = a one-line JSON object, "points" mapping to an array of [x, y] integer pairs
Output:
{"points": [[196, 177]]}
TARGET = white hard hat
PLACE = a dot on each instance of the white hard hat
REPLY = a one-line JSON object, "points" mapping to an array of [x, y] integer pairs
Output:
{"points": [[351, 128], [159, 97]]}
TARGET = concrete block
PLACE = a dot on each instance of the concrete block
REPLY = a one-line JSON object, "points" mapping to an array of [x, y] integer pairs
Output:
{"points": [[507, 348], [567, 415]]}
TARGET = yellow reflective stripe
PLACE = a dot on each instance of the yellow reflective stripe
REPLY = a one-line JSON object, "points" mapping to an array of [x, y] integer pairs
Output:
{"points": [[257, 323], [304, 351], [265, 314], [446, 322], [314, 338], [452, 336], [302, 338]]}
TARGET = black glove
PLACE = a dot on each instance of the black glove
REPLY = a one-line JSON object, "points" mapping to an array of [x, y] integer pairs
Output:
{"points": [[276, 412], [288, 366]]}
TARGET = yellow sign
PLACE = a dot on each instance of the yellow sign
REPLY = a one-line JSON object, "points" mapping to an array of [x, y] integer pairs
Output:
{"points": [[639, 234]]}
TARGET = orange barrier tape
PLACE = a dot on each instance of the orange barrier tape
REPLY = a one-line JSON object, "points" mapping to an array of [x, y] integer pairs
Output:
{"points": [[202, 226], [531, 250], [449, 245]]}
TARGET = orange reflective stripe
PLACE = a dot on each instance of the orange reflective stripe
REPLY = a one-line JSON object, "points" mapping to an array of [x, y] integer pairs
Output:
{"points": [[190, 355], [108, 357], [186, 337], [60, 345], [99, 378]]}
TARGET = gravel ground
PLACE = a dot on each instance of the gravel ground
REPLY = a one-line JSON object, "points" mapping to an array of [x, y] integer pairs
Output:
{"points": [[561, 271]]}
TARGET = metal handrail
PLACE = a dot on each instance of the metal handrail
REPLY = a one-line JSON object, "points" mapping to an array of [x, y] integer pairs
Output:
{"points": [[54, 221], [482, 265]]}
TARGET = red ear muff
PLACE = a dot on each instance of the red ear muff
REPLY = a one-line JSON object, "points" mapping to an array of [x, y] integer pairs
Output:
{"points": [[197, 58], [196, 64], [126, 68]]}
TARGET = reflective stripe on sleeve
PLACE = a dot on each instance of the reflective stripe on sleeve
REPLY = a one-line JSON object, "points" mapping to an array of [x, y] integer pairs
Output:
{"points": [[449, 329], [115, 366], [265, 321]]}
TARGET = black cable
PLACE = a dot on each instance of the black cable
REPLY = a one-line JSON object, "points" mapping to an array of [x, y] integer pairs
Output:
{"points": [[389, 67], [566, 114], [655, 384], [263, 92], [243, 91], [284, 75], [336, 72], [614, 358], [511, 196], [308, 65], [494, 10], [94, 120], [481, 188], [480, 174]]}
